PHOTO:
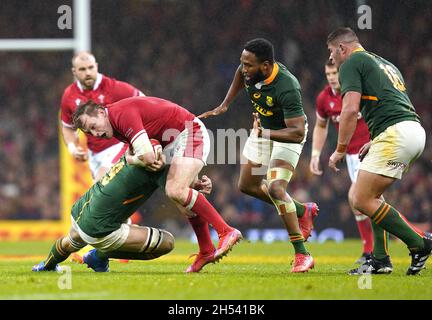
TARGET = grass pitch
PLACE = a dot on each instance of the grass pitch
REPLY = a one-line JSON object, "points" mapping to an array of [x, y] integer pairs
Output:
{"points": [[252, 271]]}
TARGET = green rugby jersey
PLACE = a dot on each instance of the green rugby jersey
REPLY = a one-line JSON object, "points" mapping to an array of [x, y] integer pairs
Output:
{"points": [[384, 99], [277, 98], [109, 202]]}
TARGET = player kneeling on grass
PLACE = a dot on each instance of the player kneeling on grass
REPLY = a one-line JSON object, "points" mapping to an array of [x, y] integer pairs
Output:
{"points": [[98, 219]]}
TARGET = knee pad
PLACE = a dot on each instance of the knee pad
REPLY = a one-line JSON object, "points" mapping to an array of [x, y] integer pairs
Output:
{"points": [[274, 174]]}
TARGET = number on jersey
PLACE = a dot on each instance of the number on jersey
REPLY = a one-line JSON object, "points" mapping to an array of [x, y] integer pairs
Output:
{"points": [[393, 76]]}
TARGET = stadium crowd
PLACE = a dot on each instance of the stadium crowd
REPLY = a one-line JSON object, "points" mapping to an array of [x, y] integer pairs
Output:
{"points": [[187, 52]]}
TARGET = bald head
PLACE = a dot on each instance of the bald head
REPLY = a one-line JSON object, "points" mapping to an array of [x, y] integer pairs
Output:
{"points": [[83, 56], [85, 69]]}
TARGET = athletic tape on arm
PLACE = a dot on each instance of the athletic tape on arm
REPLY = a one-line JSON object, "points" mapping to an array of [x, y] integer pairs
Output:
{"points": [[141, 144]]}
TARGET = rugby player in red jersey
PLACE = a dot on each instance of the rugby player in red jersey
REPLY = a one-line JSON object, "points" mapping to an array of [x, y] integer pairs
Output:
{"points": [[329, 107], [91, 85], [186, 146]]}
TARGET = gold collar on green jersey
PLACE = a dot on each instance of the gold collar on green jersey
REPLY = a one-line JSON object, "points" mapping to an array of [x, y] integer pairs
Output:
{"points": [[359, 49], [270, 78]]}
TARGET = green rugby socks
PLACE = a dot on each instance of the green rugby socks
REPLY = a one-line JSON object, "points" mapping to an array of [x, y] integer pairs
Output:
{"points": [[297, 241], [381, 240], [300, 208], [56, 255], [391, 220]]}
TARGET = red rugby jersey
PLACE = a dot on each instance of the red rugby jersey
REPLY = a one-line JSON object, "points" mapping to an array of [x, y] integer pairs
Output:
{"points": [[329, 106], [160, 119], [105, 91]]}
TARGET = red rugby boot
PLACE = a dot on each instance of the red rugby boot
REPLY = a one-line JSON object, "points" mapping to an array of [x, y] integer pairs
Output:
{"points": [[306, 221], [302, 263]]}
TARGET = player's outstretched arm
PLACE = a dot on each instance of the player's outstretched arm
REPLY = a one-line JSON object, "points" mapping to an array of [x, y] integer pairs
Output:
{"points": [[236, 85]]}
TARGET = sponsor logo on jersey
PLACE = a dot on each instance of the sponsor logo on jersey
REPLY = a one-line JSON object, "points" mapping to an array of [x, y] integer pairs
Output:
{"points": [[78, 102], [101, 98], [269, 101], [396, 164], [331, 104], [261, 110], [257, 95]]}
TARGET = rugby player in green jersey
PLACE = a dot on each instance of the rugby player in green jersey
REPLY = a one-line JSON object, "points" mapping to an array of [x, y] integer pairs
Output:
{"points": [[276, 142], [98, 219], [375, 87]]}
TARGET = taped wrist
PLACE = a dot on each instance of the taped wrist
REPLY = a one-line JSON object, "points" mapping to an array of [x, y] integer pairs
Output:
{"points": [[140, 145], [341, 148], [316, 153]]}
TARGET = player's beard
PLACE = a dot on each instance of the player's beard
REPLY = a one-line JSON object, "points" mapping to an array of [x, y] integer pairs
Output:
{"points": [[258, 77], [88, 83]]}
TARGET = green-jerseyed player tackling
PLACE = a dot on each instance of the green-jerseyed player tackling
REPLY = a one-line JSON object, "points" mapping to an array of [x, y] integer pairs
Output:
{"points": [[375, 87], [98, 219], [280, 130]]}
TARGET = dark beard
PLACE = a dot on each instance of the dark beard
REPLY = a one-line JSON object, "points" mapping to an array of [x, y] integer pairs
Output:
{"points": [[257, 78]]}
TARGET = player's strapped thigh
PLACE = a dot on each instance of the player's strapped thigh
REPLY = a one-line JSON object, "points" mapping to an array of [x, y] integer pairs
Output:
{"points": [[112, 241], [393, 150], [288, 152], [277, 174]]}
